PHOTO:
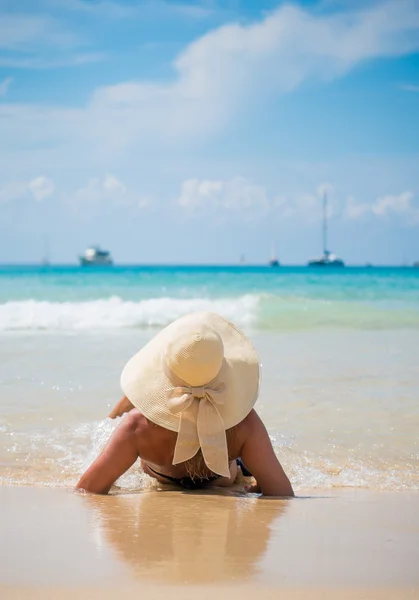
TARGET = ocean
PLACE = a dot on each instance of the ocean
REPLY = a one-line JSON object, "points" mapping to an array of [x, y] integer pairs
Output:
{"points": [[339, 351]]}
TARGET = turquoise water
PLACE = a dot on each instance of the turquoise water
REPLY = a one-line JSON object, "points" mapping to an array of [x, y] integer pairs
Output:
{"points": [[338, 349], [64, 297]]}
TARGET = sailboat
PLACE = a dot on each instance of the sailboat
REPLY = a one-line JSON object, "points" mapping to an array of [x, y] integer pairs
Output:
{"points": [[274, 262], [45, 259], [327, 259]]}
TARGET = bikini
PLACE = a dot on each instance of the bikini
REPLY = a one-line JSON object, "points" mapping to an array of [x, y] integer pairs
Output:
{"points": [[197, 483]]}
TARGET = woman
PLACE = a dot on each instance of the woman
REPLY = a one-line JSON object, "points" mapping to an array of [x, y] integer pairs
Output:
{"points": [[189, 394]]}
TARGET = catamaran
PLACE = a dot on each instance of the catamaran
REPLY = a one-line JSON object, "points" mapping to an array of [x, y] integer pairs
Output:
{"points": [[327, 259]]}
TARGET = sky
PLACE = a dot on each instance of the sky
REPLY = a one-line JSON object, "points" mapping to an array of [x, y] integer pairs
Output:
{"points": [[207, 130]]}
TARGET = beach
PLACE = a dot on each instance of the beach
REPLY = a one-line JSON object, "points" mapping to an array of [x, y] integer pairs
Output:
{"points": [[339, 396], [336, 544]]}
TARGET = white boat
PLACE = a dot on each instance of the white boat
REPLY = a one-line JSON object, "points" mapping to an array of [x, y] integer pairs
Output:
{"points": [[95, 256], [327, 259]]}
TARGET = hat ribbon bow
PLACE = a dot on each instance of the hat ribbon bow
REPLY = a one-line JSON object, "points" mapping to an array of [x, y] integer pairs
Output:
{"points": [[200, 425]]}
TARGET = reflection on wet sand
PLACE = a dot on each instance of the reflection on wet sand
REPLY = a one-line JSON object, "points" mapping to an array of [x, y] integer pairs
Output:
{"points": [[186, 538]]}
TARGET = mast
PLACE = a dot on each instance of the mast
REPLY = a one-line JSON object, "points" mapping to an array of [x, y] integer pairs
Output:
{"points": [[273, 253], [45, 259], [274, 262], [324, 223]]}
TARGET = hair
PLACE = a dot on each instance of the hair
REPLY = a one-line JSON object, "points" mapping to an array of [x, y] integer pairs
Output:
{"points": [[196, 466]]}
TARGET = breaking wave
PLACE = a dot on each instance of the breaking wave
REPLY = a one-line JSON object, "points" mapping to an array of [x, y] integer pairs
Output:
{"points": [[115, 313], [262, 311]]}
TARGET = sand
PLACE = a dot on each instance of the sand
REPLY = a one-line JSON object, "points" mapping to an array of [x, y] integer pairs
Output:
{"points": [[340, 544]]}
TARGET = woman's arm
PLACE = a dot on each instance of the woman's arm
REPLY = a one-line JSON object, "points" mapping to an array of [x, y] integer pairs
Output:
{"points": [[259, 457], [123, 406], [119, 454]]}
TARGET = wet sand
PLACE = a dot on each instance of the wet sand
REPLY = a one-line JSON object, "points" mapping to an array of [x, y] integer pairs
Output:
{"points": [[336, 544]]}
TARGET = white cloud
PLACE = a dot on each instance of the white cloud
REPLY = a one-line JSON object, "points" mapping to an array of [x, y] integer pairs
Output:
{"points": [[41, 188], [238, 196], [34, 62], [37, 189], [112, 185], [385, 206], [121, 10], [291, 45], [396, 204], [103, 8], [308, 206], [101, 194], [218, 78], [95, 195], [4, 86], [24, 32], [99, 190], [195, 193], [36, 41], [104, 199]]}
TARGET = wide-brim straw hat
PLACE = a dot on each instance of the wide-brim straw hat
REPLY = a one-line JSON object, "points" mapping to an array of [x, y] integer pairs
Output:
{"points": [[199, 376]]}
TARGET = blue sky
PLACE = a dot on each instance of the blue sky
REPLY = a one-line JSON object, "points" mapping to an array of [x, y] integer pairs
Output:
{"points": [[200, 131]]}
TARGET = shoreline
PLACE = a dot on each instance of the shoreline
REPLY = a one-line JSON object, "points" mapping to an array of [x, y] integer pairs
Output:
{"points": [[324, 543], [223, 593]]}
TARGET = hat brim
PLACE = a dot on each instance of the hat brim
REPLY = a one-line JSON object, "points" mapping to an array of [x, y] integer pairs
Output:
{"points": [[145, 382]]}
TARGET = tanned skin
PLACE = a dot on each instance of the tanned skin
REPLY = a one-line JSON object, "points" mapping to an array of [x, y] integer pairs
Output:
{"points": [[137, 437]]}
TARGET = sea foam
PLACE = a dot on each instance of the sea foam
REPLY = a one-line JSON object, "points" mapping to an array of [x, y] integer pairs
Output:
{"points": [[58, 456], [115, 313]]}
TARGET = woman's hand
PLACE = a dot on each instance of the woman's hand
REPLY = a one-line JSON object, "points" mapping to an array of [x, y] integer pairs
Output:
{"points": [[123, 406]]}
